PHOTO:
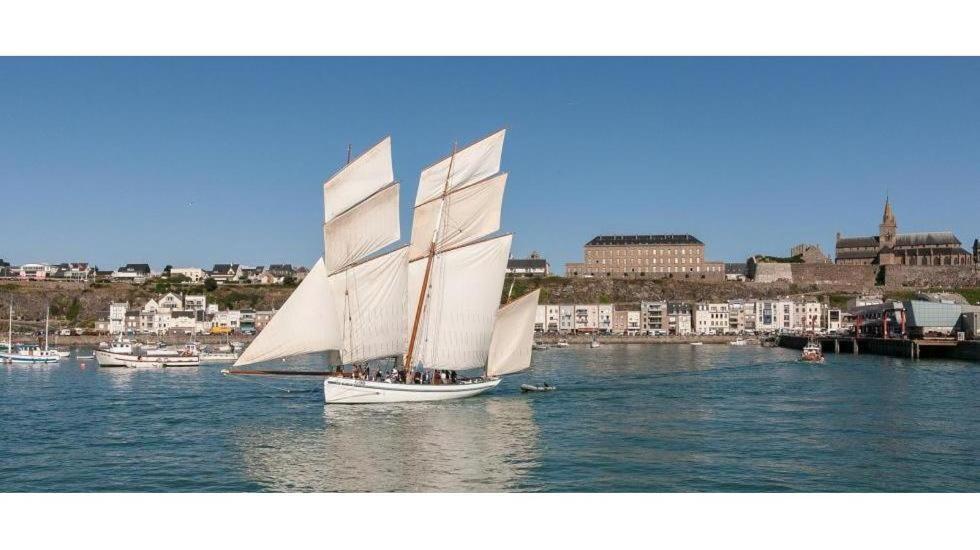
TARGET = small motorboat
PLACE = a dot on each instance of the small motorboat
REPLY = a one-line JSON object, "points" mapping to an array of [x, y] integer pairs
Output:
{"points": [[697, 343], [812, 352], [539, 346], [532, 388], [595, 342], [561, 343], [737, 342], [84, 357]]}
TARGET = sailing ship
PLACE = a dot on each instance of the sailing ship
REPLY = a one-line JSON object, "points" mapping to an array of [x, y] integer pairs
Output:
{"points": [[430, 305], [28, 353]]}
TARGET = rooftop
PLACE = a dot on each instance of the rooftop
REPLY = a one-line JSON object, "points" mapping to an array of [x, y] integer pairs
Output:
{"points": [[620, 240]]}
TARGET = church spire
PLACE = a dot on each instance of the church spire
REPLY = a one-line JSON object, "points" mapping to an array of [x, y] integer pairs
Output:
{"points": [[889, 216]]}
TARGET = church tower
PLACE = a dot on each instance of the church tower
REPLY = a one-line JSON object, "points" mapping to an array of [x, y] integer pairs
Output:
{"points": [[887, 232]]}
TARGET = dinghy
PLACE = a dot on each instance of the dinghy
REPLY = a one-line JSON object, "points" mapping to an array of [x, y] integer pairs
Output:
{"points": [[532, 388]]}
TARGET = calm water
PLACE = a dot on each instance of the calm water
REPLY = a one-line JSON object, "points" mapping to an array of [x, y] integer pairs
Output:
{"points": [[626, 418]]}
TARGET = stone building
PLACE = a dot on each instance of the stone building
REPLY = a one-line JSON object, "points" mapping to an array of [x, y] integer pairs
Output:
{"points": [[890, 247], [809, 253], [646, 256]]}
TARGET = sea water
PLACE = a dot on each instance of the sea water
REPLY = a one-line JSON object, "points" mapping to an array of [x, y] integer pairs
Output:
{"points": [[625, 418]]}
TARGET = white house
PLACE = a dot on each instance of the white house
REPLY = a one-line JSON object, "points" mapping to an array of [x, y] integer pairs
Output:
{"points": [[195, 302], [117, 317], [710, 318], [171, 302], [195, 274]]}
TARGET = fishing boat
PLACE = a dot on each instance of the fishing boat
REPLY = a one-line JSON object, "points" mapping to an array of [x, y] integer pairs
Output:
{"points": [[812, 352], [124, 354], [28, 353], [737, 342], [430, 305]]}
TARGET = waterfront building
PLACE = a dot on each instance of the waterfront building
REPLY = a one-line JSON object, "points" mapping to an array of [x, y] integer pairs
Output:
{"points": [[117, 317], [646, 256], [653, 318], [626, 320], [262, 318], [678, 318], [532, 266], [807, 316], [551, 316], [593, 318], [540, 313], [833, 320], [741, 316], [193, 274], [566, 318], [892, 248], [710, 318], [773, 315]]}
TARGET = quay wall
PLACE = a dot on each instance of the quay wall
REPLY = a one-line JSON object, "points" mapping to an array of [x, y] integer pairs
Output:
{"points": [[623, 339]]}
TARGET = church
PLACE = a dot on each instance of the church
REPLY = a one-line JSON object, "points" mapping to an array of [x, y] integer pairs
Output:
{"points": [[889, 247]]}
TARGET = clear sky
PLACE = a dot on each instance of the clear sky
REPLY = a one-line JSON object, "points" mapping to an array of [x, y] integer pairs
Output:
{"points": [[194, 161]]}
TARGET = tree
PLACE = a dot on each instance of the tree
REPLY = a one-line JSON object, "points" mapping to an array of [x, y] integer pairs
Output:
{"points": [[210, 284], [289, 280]]}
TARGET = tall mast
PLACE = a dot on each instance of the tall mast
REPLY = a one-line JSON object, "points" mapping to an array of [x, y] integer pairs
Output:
{"points": [[428, 268], [47, 314], [10, 328]]}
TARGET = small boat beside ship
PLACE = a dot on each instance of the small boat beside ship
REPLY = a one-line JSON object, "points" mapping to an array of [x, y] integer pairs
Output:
{"points": [[543, 387]]}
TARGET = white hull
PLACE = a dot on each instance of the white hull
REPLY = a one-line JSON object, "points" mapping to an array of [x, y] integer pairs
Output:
{"points": [[18, 358], [347, 390], [218, 357], [110, 359]]}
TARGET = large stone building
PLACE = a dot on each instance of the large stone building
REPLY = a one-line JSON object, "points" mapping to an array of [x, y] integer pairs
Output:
{"points": [[890, 247], [646, 256]]}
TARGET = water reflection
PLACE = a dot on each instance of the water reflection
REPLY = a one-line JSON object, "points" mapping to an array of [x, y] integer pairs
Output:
{"points": [[482, 444]]}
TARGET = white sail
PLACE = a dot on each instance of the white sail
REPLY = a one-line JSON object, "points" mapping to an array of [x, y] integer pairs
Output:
{"points": [[513, 336], [361, 178], [362, 230], [306, 323], [369, 299], [470, 213], [461, 304], [470, 164]]}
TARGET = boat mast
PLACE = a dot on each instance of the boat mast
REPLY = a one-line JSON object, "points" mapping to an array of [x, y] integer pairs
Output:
{"points": [[10, 328], [428, 268], [47, 314]]}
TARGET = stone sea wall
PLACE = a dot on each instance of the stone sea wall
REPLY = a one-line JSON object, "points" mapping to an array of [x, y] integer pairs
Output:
{"points": [[954, 276]]}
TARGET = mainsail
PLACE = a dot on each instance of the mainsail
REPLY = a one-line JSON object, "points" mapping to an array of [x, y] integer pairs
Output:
{"points": [[513, 336], [306, 323], [461, 303], [369, 298]]}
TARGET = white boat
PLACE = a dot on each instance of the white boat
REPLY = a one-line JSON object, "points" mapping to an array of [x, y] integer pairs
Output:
{"points": [[62, 353], [160, 361], [812, 352], [124, 354], [429, 306], [697, 343], [561, 344], [539, 347], [737, 342], [28, 353], [532, 388], [595, 341], [218, 357]]}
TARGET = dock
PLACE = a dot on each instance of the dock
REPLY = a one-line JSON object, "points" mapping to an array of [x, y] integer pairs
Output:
{"points": [[894, 347]]}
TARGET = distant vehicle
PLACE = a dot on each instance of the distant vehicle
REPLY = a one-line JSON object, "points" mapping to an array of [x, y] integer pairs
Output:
{"points": [[220, 330], [64, 332]]}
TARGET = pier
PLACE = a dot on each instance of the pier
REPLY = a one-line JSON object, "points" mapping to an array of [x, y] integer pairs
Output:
{"points": [[894, 347]]}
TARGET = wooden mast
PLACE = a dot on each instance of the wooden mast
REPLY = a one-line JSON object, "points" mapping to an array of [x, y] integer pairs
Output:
{"points": [[428, 270]]}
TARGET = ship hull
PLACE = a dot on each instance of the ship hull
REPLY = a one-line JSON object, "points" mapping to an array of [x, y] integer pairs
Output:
{"points": [[347, 391], [111, 359]]}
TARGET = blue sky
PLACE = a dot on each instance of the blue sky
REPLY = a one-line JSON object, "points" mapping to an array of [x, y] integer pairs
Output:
{"points": [[193, 161]]}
